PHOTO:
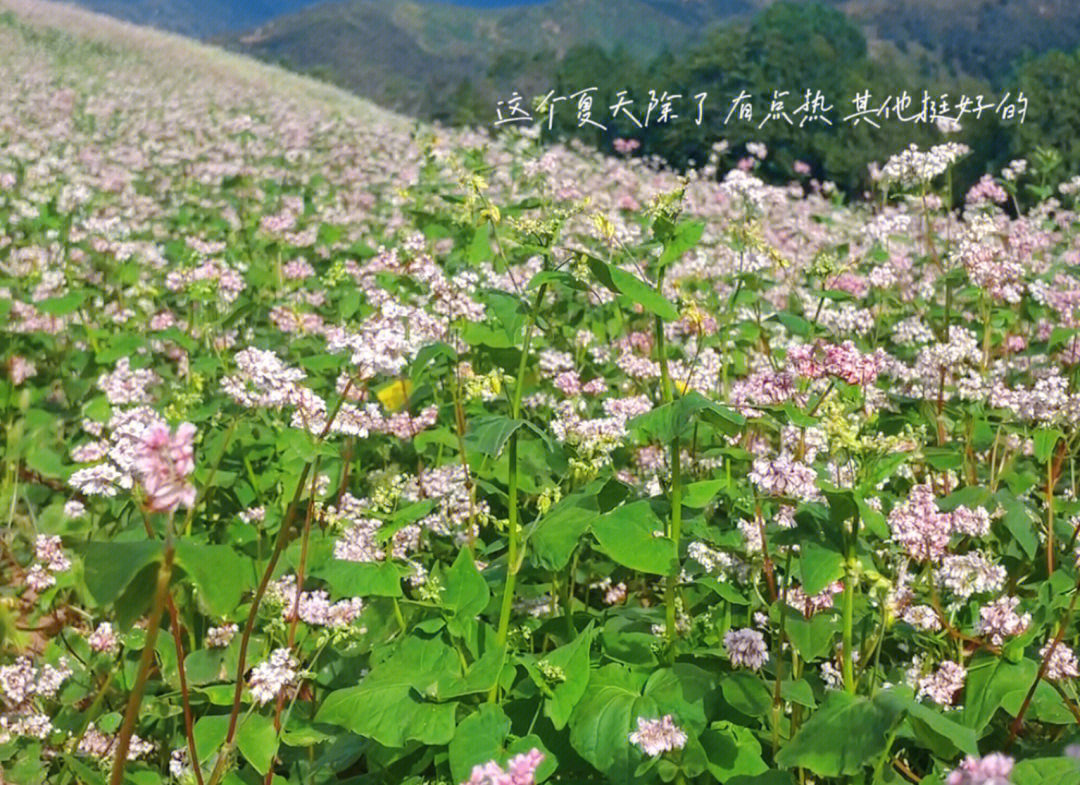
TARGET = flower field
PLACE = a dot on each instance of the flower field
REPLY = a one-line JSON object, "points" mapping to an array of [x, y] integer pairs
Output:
{"points": [[341, 449]]}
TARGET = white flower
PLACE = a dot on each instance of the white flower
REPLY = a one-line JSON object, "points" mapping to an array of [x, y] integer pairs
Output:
{"points": [[658, 736]]}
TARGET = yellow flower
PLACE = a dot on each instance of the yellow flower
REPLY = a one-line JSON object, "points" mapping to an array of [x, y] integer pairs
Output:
{"points": [[396, 394]]}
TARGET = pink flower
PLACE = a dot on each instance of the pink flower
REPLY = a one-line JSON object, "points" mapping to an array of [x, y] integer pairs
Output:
{"points": [[658, 736], [994, 769], [520, 770], [746, 648], [103, 638], [165, 463]]}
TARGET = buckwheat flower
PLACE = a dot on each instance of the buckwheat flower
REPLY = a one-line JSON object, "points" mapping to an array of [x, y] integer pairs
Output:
{"points": [[1062, 663], [179, 767], [919, 526], [98, 745], [994, 769], [809, 605], [970, 573], [39, 579], [74, 509], [784, 476], [942, 685], [358, 543], [50, 678], [271, 677], [832, 676], [125, 385], [746, 648], [48, 549], [20, 369], [520, 770], [655, 737], [103, 638], [102, 479], [220, 637], [33, 725], [253, 514], [922, 617], [165, 462], [615, 594], [17, 681], [971, 521], [999, 620]]}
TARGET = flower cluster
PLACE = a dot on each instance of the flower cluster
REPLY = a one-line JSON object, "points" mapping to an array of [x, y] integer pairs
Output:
{"points": [[269, 678], [164, 464], [520, 770], [746, 648], [656, 737]]}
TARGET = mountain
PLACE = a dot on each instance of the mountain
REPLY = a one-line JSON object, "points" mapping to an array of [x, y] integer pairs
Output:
{"points": [[405, 53], [196, 18], [980, 37]]}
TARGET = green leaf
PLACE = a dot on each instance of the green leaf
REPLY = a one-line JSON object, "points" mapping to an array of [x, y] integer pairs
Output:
{"points": [[941, 733], [772, 777], [257, 741], [63, 305], [811, 638], [989, 679], [110, 566], [487, 435], [1019, 520], [218, 572], [481, 676], [622, 282], [1046, 440], [687, 234], [796, 325], [573, 658], [478, 739], [626, 535], [388, 705], [480, 246], [1046, 705], [466, 593], [699, 494], [746, 693], [526, 743], [355, 579], [556, 276], [819, 566], [681, 691], [209, 732], [554, 537], [605, 717], [799, 692], [673, 419], [644, 294], [1045, 771], [845, 734], [732, 750]]}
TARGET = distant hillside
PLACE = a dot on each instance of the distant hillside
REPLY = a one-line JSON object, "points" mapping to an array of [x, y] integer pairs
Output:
{"points": [[196, 18], [980, 37], [403, 53], [406, 54]]}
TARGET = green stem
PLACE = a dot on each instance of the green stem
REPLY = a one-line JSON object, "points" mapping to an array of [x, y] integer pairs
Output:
{"points": [[514, 558], [849, 608], [131, 713], [675, 492]]}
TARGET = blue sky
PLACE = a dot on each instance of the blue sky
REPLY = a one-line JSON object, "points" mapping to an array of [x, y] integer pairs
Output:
{"points": [[494, 3]]}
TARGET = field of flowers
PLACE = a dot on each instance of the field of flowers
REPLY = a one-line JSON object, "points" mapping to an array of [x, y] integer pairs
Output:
{"points": [[337, 449]]}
